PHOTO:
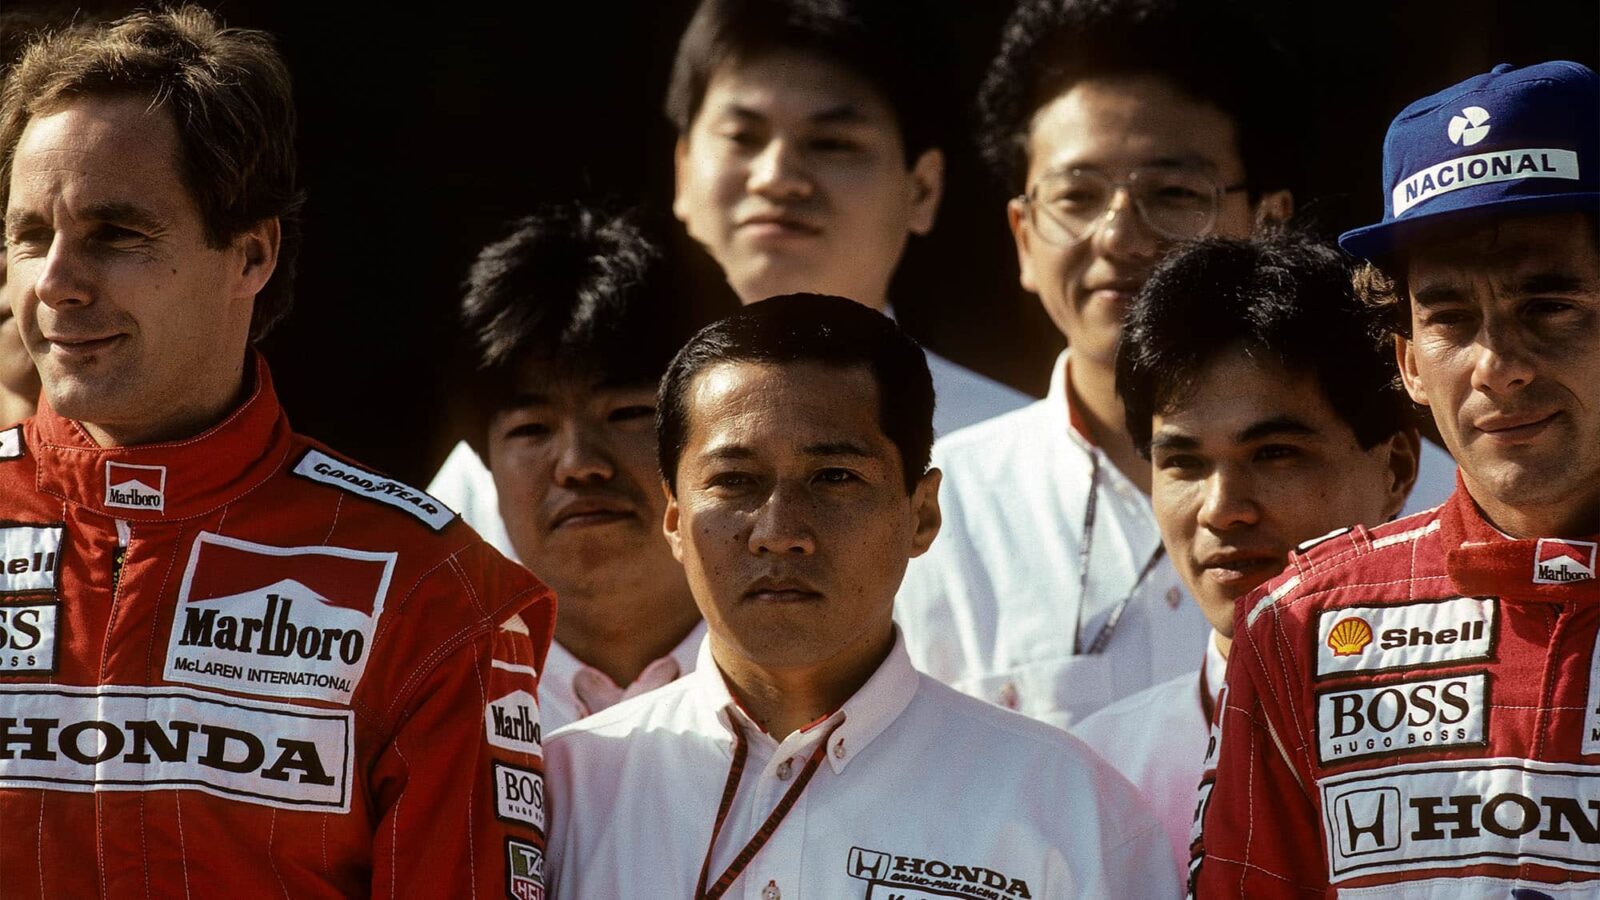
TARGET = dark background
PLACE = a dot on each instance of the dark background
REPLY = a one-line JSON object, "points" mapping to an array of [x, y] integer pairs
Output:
{"points": [[422, 134]]}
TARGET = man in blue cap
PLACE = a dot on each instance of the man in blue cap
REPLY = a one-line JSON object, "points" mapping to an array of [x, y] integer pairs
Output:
{"points": [[1414, 710]]}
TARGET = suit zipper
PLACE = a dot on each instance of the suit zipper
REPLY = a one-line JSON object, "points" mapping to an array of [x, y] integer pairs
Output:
{"points": [[124, 535]]}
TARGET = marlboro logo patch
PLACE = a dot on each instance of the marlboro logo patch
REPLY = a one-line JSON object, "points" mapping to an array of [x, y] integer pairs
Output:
{"points": [[279, 621], [136, 487], [1562, 562]]}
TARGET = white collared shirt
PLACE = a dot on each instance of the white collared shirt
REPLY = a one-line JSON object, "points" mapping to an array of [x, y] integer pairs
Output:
{"points": [[994, 609], [464, 484], [962, 397], [1157, 740], [920, 787], [570, 689]]}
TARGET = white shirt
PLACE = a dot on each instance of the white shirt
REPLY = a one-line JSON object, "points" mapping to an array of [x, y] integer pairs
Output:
{"points": [[1436, 479], [915, 779], [962, 397], [465, 485], [994, 607], [570, 689], [1157, 740]]}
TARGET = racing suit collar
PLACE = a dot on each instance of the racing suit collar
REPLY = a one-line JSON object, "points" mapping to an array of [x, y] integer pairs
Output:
{"points": [[1483, 561], [166, 481]]}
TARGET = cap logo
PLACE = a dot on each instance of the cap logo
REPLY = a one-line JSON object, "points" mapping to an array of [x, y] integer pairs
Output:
{"points": [[136, 487], [1470, 127], [1561, 562]]}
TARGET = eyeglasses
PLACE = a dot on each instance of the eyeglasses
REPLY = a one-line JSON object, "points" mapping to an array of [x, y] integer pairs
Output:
{"points": [[1176, 203]]}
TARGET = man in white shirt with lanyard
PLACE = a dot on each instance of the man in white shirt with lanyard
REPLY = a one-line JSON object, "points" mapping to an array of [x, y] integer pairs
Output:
{"points": [[573, 328], [1271, 417], [805, 757], [1123, 127]]}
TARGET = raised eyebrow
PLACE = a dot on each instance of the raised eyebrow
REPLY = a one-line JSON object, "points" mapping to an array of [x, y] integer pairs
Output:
{"points": [[837, 448], [1277, 426], [728, 451], [16, 220], [124, 213], [1550, 283]]}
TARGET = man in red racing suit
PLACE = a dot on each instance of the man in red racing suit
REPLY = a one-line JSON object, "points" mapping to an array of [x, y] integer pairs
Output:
{"points": [[232, 663], [1414, 711], [240, 663]]}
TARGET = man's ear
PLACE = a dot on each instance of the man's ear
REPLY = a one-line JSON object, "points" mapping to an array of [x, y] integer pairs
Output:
{"points": [[1274, 208], [925, 509], [927, 183], [669, 523], [1405, 354], [1022, 235], [1405, 457], [680, 158], [259, 253]]}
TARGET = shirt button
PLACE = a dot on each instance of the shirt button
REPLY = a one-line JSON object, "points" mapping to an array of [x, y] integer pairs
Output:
{"points": [[838, 749], [783, 770], [771, 892], [1174, 598]]}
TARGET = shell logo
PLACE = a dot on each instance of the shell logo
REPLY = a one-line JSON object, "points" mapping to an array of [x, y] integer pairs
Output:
{"points": [[1350, 636]]}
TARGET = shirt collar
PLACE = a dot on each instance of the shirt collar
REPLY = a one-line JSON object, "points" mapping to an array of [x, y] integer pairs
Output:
{"points": [[562, 669], [1481, 560], [167, 481], [866, 715]]}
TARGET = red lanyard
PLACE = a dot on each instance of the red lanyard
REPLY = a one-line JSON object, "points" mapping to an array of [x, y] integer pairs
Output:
{"points": [[764, 833]]}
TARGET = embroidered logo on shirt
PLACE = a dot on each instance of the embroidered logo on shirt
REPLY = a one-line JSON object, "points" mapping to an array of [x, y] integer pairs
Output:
{"points": [[1350, 636], [1560, 562], [113, 738], [518, 795], [1406, 636], [524, 870], [280, 621], [1438, 814], [136, 487], [1591, 720], [903, 875], [1398, 718], [30, 558], [28, 634], [321, 467], [512, 723], [11, 443]]}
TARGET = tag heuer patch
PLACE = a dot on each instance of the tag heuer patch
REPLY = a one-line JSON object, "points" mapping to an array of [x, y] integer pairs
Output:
{"points": [[524, 870], [321, 467]]}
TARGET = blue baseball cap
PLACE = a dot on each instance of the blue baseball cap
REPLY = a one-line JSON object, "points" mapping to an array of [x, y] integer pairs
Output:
{"points": [[1511, 142]]}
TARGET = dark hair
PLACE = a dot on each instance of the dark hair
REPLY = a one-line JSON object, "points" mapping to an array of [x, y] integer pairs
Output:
{"points": [[868, 37], [815, 328], [577, 287], [1211, 50], [229, 96], [1285, 296]]}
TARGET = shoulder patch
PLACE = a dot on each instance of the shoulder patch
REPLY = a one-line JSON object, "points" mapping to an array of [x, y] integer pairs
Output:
{"points": [[11, 446], [318, 466]]}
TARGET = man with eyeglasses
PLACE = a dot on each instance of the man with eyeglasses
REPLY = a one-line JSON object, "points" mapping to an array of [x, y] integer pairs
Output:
{"points": [[1122, 127]]}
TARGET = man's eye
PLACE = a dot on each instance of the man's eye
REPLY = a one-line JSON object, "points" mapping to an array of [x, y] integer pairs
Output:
{"points": [[30, 237], [1271, 452], [729, 480], [1547, 307], [1181, 463], [115, 234], [836, 476], [743, 138], [1447, 318], [529, 430], [833, 145]]}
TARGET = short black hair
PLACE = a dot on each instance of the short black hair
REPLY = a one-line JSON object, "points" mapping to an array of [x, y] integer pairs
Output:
{"points": [[1284, 295], [1213, 50], [579, 287], [869, 37], [808, 328]]}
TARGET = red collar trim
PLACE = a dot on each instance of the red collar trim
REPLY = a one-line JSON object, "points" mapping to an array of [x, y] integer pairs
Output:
{"points": [[1482, 561], [163, 482]]}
